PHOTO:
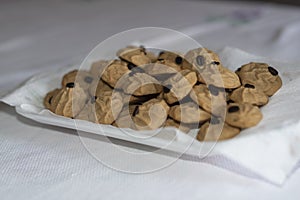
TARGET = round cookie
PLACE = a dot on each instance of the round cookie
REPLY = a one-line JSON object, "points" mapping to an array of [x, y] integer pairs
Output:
{"points": [[188, 113], [49, 97], [139, 84], [201, 57], [114, 72], [69, 101], [135, 55], [243, 115], [108, 107], [215, 131], [262, 76], [208, 96], [79, 77], [249, 94], [209, 68], [179, 86], [176, 61], [219, 76], [151, 114]]}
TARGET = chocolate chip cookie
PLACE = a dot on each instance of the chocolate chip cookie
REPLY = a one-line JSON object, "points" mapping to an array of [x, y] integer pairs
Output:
{"points": [[202, 57], [108, 107], [210, 98], [179, 86], [262, 76], [216, 130], [188, 113], [79, 77], [151, 114], [139, 84], [115, 71], [249, 94], [135, 55], [68, 101], [243, 115], [174, 60]]}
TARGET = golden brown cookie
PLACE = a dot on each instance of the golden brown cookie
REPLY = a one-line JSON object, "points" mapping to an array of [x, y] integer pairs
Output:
{"points": [[108, 107], [249, 94], [139, 84], [188, 113], [202, 57], [171, 59], [243, 115], [262, 76], [215, 130], [179, 86], [49, 97], [151, 114], [135, 55], [79, 77], [115, 71], [210, 70], [219, 76], [208, 96], [69, 101]]}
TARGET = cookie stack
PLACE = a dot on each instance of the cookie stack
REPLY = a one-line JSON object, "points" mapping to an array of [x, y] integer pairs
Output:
{"points": [[144, 91]]}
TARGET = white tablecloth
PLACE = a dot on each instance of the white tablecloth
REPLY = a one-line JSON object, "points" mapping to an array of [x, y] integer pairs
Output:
{"points": [[44, 162]]}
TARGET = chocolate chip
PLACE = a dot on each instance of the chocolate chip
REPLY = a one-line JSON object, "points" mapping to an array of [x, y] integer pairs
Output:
{"points": [[88, 79], [249, 86], [93, 99], [161, 53], [136, 111], [70, 85], [50, 99], [178, 60], [160, 59], [214, 120], [228, 90], [230, 101], [239, 69], [273, 71], [167, 88], [233, 109], [143, 48], [130, 66], [215, 63], [213, 90], [200, 60]]}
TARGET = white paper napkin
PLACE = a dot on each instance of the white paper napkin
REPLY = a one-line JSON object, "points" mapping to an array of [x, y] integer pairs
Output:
{"points": [[268, 151]]}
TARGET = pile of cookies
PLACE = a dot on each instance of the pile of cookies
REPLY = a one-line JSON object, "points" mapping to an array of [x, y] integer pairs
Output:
{"points": [[144, 91]]}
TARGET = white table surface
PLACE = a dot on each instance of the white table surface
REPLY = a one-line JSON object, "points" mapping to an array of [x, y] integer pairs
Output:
{"points": [[37, 35]]}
